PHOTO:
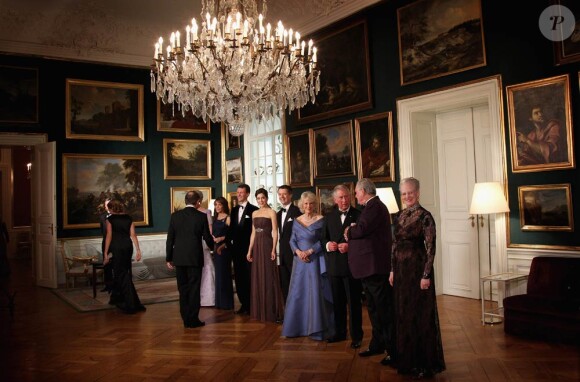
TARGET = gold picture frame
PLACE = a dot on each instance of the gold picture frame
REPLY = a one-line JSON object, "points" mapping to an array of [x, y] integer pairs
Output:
{"points": [[298, 155], [333, 150], [425, 31], [186, 159], [537, 110], [374, 146], [232, 198], [325, 199], [170, 118], [546, 208], [178, 197], [99, 110], [88, 179], [567, 50]]}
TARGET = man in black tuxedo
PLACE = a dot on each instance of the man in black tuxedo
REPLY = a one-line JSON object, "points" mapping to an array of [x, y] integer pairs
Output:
{"points": [[238, 241], [184, 252], [369, 259], [288, 212], [107, 268], [346, 290]]}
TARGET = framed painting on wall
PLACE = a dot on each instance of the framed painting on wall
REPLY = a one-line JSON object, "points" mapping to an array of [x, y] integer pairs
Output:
{"points": [[19, 94], [438, 38], [546, 208], [374, 146], [232, 199], [178, 197], [345, 74], [299, 159], [333, 150], [541, 125], [234, 170], [325, 199], [567, 50], [88, 179], [186, 159], [104, 110], [171, 118], [232, 142]]}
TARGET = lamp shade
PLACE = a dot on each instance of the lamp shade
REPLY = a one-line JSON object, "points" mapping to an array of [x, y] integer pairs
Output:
{"points": [[388, 197], [488, 198]]}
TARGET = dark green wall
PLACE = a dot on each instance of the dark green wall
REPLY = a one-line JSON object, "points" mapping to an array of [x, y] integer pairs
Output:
{"points": [[515, 49]]}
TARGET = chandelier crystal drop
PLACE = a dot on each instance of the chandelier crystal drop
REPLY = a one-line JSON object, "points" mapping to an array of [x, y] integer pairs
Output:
{"points": [[235, 67]]}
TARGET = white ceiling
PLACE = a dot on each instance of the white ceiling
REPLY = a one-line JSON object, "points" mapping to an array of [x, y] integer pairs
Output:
{"points": [[124, 31]]}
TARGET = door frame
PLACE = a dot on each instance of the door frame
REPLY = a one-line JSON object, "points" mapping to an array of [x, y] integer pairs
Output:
{"points": [[485, 91]]}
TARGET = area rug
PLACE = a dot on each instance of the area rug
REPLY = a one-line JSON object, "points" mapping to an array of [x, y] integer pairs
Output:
{"points": [[149, 291]]}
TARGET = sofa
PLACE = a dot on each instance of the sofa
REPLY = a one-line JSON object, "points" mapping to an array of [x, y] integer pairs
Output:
{"points": [[151, 266], [550, 310]]}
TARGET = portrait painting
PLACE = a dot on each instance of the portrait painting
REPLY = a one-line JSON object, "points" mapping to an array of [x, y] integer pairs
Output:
{"points": [[541, 125], [374, 142], [298, 159], [567, 50], [19, 95], [438, 38], [171, 117], [546, 208], [89, 179], [345, 85], [187, 159], [333, 150], [234, 170], [178, 197], [326, 200], [104, 110], [232, 142], [232, 199]]}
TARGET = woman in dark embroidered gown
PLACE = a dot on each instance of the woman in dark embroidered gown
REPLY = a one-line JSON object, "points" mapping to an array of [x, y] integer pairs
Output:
{"points": [[119, 249], [224, 290], [418, 336], [309, 309], [267, 303]]}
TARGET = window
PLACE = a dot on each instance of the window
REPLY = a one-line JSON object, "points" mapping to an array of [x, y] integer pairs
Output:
{"points": [[264, 159]]}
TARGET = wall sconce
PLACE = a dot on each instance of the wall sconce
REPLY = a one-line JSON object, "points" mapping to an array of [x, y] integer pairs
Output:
{"points": [[28, 170]]}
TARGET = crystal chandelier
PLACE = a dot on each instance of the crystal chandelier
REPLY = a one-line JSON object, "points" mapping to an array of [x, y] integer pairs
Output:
{"points": [[235, 68]]}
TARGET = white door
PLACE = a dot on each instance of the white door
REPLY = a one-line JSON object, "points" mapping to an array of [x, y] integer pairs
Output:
{"points": [[463, 145], [44, 214]]}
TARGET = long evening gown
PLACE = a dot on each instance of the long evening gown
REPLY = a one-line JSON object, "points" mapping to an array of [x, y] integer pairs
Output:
{"points": [[124, 295], [418, 335], [266, 301], [309, 306], [224, 289], [207, 290]]}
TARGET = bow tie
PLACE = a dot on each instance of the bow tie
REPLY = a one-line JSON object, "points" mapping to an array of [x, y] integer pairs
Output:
{"points": [[343, 213], [241, 207], [283, 209]]}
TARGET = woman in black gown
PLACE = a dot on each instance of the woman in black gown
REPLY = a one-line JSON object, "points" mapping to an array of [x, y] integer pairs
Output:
{"points": [[224, 290], [119, 249], [418, 338]]}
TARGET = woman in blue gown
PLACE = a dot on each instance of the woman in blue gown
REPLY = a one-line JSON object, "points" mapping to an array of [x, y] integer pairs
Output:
{"points": [[309, 306], [224, 290]]}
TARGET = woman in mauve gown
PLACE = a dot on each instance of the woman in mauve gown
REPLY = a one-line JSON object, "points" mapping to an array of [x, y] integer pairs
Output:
{"points": [[207, 290], [266, 301], [418, 336], [309, 306], [224, 290]]}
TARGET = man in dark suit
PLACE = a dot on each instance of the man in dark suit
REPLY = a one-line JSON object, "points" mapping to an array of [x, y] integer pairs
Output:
{"points": [[369, 259], [286, 217], [107, 268], [346, 290], [238, 241], [184, 252]]}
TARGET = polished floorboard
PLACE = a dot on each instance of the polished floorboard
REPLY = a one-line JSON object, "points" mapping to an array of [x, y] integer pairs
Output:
{"points": [[47, 340]]}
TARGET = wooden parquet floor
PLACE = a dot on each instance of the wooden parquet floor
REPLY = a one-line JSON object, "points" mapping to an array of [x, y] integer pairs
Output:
{"points": [[49, 341]]}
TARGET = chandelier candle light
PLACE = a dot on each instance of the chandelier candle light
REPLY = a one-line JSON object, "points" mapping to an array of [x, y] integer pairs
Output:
{"points": [[234, 69]]}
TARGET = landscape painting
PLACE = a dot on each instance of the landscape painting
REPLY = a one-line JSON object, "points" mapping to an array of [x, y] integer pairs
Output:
{"points": [[104, 110], [333, 151], [170, 117], [89, 179], [187, 159], [439, 37], [18, 95], [178, 197], [546, 208], [234, 170]]}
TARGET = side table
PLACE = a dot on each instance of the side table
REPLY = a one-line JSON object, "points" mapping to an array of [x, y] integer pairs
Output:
{"points": [[495, 315], [96, 267]]}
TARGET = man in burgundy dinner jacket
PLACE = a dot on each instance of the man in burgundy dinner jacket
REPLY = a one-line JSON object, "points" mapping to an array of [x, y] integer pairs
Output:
{"points": [[369, 259]]}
